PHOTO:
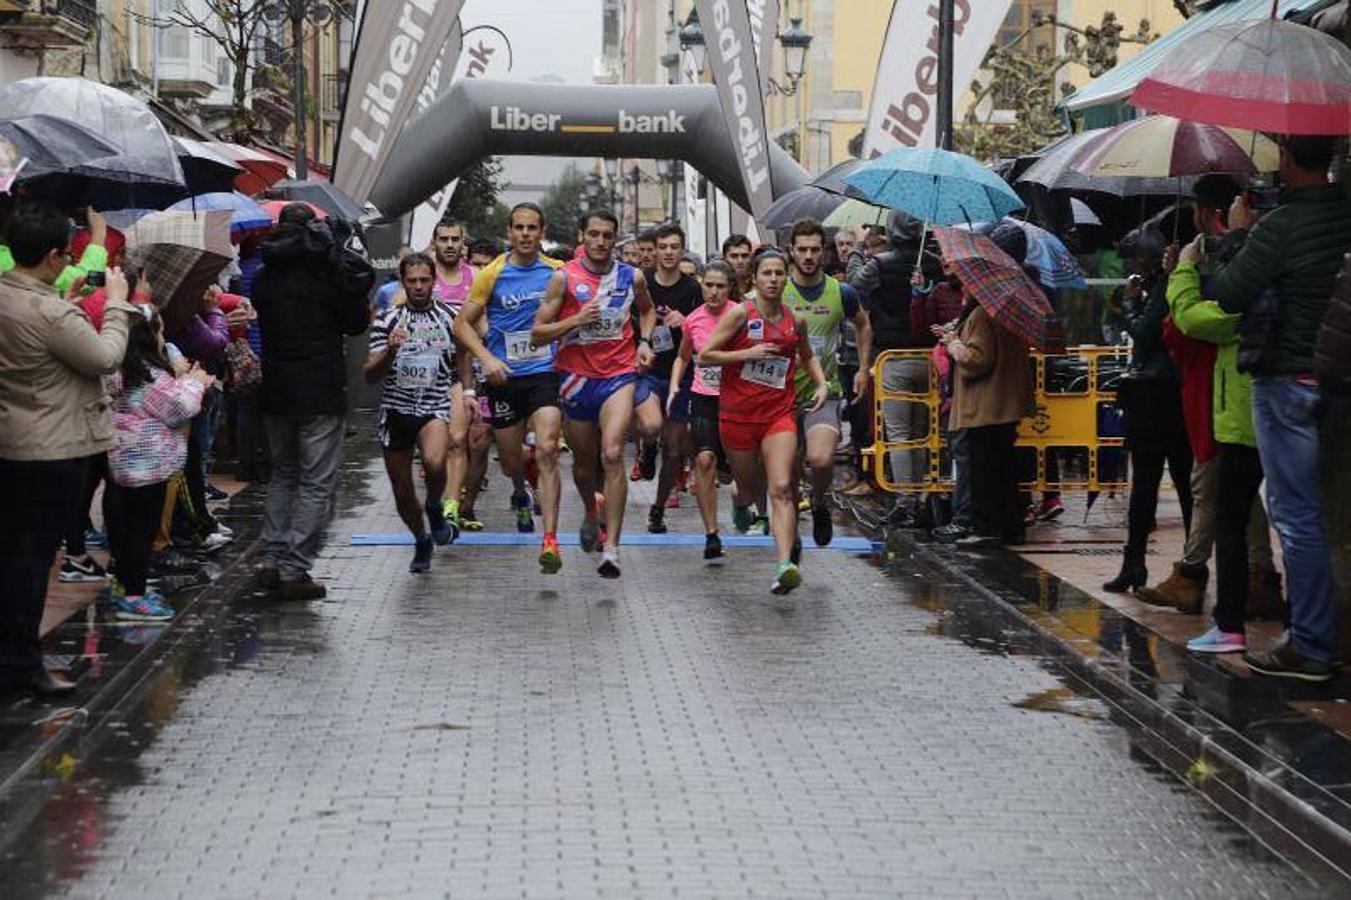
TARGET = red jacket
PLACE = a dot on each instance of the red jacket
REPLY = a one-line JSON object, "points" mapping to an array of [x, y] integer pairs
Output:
{"points": [[1195, 361]]}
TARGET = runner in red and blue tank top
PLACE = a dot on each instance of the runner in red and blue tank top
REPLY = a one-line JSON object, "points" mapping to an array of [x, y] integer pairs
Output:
{"points": [[760, 345], [588, 311]]}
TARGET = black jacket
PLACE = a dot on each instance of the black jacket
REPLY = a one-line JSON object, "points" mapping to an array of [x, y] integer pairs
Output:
{"points": [[884, 282], [1332, 353], [310, 294], [1144, 322]]}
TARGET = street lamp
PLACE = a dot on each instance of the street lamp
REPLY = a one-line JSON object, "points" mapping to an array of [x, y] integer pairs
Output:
{"points": [[592, 190], [636, 179], [612, 181], [318, 13], [796, 41], [692, 39]]}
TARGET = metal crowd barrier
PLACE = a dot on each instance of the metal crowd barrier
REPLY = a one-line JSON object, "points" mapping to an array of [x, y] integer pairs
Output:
{"points": [[1072, 443]]}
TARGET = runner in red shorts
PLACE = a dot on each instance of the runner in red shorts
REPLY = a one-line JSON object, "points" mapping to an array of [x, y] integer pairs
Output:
{"points": [[588, 310], [759, 345]]}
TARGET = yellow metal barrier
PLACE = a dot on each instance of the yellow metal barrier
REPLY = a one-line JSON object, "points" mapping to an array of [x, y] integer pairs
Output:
{"points": [[1064, 437]]}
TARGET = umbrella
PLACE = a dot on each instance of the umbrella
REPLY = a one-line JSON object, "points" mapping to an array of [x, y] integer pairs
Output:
{"points": [[321, 194], [274, 208], [855, 213], [1264, 74], [145, 154], [1055, 264], [1165, 147], [12, 162], [245, 213], [934, 185], [122, 219], [1001, 287], [205, 170], [182, 254], [1055, 172], [1083, 213], [832, 179], [53, 145], [260, 170], [806, 202]]}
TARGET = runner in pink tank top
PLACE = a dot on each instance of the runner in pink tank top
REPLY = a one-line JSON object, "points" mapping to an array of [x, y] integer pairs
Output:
{"points": [[719, 284]]}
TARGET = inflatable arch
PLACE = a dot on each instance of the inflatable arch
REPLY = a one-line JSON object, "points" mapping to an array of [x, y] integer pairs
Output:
{"points": [[479, 118]]}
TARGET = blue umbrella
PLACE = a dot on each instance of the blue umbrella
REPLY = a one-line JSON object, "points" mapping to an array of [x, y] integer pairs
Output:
{"points": [[937, 186], [245, 213], [1056, 266], [122, 219]]}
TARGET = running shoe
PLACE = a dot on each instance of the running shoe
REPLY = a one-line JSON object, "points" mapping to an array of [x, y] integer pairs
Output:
{"points": [[525, 522], [444, 529], [81, 570], [1217, 641], [589, 536], [712, 546], [760, 527], [1051, 509], [222, 528], [788, 578], [214, 493], [109, 594], [422, 556], [147, 608], [96, 539], [214, 541], [635, 473], [656, 520], [795, 552], [647, 460], [673, 499], [823, 529], [609, 563], [469, 523], [804, 503], [550, 560], [742, 518]]}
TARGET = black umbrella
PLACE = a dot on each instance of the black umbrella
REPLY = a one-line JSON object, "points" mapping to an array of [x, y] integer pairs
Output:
{"points": [[1053, 172], [53, 145], [322, 194], [832, 179], [205, 170], [806, 202]]}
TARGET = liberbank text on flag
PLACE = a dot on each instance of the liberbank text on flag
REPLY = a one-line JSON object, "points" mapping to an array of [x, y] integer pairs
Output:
{"points": [[905, 91], [731, 53], [398, 45]]}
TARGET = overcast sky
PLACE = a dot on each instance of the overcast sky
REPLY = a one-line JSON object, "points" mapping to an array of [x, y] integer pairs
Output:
{"points": [[549, 39]]}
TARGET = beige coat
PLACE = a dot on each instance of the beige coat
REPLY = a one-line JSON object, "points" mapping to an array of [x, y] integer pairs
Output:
{"points": [[52, 402], [993, 385]]}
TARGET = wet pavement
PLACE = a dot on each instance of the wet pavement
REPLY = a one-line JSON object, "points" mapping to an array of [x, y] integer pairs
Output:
{"points": [[486, 731]]}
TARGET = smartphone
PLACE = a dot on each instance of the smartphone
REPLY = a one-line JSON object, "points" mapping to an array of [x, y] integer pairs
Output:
{"points": [[96, 279], [1264, 195]]}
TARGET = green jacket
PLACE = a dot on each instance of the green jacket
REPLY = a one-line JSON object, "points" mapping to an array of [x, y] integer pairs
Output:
{"points": [[94, 259], [1296, 248], [1204, 320]]}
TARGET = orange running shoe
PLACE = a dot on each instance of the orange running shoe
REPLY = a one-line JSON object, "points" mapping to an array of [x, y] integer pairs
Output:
{"points": [[550, 560]]}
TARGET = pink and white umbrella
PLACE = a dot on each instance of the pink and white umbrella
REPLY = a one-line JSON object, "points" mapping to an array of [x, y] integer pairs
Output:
{"points": [[1165, 147], [1265, 75]]}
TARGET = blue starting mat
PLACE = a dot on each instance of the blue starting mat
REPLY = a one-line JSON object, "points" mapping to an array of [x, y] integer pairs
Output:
{"points": [[843, 543]]}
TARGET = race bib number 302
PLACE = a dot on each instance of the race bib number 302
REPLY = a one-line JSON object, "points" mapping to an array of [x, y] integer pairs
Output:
{"points": [[417, 371]]}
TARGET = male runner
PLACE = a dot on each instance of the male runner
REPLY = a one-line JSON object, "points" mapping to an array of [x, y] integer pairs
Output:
{"points": [[454, 277], [824, 304], [589, 311], [736, 249], [647, 249], [522, 385], [412, 352], [675, 296], [629, 253]]}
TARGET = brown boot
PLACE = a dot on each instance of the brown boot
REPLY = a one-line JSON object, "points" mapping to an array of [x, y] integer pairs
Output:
{"points": [[304, 588], [1265, 599], [1183, 590]]}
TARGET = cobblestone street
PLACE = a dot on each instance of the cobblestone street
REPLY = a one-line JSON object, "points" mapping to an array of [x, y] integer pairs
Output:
{"points": [[488, 731]]}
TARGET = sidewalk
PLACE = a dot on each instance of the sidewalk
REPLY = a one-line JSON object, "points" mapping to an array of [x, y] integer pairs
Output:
{"points": [[1273, 754]]}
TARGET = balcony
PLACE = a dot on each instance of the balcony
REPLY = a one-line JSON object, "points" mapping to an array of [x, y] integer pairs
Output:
{"points": [[53, 24]]}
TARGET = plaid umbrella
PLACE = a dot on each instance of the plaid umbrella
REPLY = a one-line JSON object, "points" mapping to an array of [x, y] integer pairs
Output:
{"points": [[182, 253], [1001, 287]]}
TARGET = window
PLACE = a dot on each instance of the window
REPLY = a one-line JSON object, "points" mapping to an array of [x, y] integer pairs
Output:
{"points": [[176, 42], [222, 71], [1020, 16]]}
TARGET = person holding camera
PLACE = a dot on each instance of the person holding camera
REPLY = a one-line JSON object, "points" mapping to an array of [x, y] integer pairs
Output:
{"points": [[1280, 280], [54, 416]]}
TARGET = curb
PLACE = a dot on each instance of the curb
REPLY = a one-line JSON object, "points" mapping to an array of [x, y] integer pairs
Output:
{"points": [[1255, 789]]}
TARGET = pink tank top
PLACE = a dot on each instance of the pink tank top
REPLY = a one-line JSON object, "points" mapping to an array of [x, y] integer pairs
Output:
{"points": [[699, 325], [453, 295]]}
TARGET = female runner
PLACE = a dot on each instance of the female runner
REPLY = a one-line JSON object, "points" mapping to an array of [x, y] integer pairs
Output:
{"points": [[719, 282], [764, 344]]}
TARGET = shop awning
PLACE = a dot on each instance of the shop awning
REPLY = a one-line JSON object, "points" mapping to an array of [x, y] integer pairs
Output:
{"points": [[1118, 84]]}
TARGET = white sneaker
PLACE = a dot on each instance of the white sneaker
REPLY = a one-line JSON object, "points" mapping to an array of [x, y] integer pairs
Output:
{"points": [[609, 563], [224, 529], [215, 541]]}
